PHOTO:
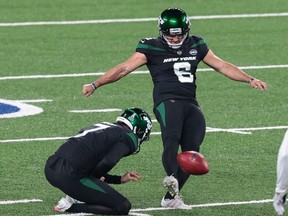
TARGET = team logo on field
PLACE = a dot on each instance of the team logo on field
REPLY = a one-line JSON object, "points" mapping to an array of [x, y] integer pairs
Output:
{"points": [[13, 109], [193, 52]]}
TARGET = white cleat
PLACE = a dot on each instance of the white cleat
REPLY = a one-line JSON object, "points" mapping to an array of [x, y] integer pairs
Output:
{"points": [[177, 203], [279, 202], [65, 203]]}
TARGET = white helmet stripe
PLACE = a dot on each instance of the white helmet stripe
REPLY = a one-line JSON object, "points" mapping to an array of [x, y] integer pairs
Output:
{"points": [[125, 121]]}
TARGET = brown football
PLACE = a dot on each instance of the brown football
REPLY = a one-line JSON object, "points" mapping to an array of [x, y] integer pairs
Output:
{"points": [[193, 163]]}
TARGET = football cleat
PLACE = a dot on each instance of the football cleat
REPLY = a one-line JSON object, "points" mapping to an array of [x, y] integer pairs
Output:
{"points": [[279, 202], [177, 203], [171, 184], [65, 203]]}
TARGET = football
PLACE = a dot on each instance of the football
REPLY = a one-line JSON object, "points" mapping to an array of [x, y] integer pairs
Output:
{"points": [[193, 163]]}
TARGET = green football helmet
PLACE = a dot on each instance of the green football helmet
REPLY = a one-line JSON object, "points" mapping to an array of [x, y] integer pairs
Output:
{"points": [[138, 121], [173, 21]]}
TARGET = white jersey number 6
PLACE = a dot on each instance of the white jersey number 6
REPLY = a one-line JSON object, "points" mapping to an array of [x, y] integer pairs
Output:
{"points": [[182, 71]]}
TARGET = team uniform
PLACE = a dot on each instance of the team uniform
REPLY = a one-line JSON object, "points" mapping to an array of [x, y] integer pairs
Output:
{"points": [[175, 106], [77, 166]]}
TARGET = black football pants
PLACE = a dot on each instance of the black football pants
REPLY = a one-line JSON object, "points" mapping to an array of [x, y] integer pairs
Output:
{"points": [[98, 196], [182, 124]]}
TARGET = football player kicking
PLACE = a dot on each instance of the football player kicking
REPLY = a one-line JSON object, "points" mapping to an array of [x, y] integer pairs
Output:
{"points": [[172, 59], [80, 166], [282, 177]]}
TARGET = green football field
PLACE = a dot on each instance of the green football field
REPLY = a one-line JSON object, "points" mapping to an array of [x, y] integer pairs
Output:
{"points": [[49, 49]]}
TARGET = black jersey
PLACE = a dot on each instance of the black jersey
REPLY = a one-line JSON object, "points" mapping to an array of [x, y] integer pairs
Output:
{"points": [[95, 150], [173, 71]]}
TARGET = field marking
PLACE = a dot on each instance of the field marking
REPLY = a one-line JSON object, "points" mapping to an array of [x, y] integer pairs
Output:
{"points": [[138, 212], [82, 214], [71, 214], [34, 139], [47, 76], [81, 22], [34, 101], [6, 202], [96, 110], [207, 205], [208, 129]]}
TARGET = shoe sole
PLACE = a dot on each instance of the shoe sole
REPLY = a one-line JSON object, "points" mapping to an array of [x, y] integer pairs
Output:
{"points": [[58, 209], [171, 186]]}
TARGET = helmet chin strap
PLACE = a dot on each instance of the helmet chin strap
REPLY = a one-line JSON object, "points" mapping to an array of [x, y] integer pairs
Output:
{"points": [[171, 45]]}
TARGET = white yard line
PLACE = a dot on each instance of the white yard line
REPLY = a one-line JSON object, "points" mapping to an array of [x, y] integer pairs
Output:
{"points": [[139, 212], [33, 139], [47, 76], [6, 202], [81, 22], [71, 214], [95, 110], [35, 101], [208, 129], [207, 205]]}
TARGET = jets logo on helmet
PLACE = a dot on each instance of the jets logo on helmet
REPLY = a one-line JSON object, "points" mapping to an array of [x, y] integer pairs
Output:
{"points": [[160, 21], [132, 117]]}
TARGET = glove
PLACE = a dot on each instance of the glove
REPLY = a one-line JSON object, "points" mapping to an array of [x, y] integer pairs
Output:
{"points": [[279, 201]]}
